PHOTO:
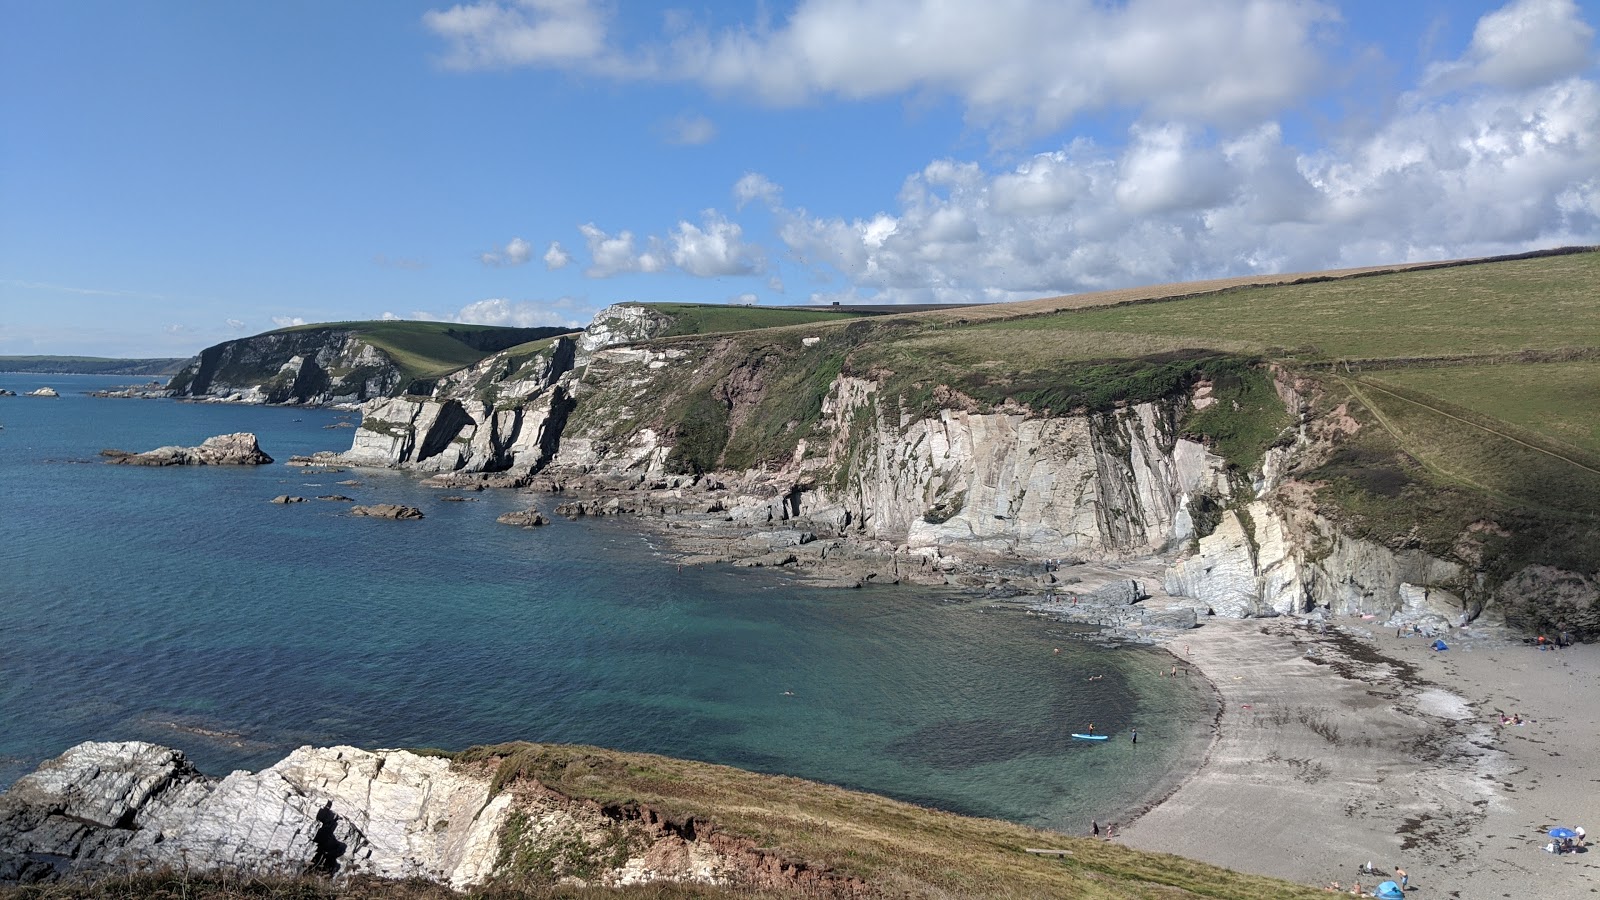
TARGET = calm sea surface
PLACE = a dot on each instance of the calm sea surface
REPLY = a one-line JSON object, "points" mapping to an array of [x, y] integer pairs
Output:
{"points": [[179, 606]]}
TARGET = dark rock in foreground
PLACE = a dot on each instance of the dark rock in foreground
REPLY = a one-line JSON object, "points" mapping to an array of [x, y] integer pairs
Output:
{"points": [[238, 449], [387, 511]]}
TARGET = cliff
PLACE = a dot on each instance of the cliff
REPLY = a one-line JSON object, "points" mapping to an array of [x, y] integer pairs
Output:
{"points": [[950, 444], [529, 817], [341, 363]]}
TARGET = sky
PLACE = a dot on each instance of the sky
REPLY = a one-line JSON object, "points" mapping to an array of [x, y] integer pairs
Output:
{"points": [[175, 174]]}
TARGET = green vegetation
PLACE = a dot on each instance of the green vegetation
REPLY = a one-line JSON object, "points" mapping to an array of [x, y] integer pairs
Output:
{"points": [[89, 365], [425, 350], [1486, 308], [705, 318], [179, 885], [898, 848], [1554, 400]]}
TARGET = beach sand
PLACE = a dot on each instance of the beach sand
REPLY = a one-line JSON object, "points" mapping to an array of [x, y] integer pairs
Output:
{"points": [[1342, 744]]}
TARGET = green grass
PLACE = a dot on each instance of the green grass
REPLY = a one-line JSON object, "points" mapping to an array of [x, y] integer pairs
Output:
{"points": [[698, 318], [1555, 400], [1495, 307], [88, 365], [425, 350], [899, 848]]}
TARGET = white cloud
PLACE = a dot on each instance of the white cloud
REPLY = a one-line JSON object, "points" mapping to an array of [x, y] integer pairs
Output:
{"points": [[516, 252], [1496, 171], [400, 262], [1524, 44], [236, 324], [747, 299], [556, 257], [563, 312], [287, 321], [389, 316], [690, 130], [526, 32], [716, 249], [753, 186], [614, 255], [1030, 64]]}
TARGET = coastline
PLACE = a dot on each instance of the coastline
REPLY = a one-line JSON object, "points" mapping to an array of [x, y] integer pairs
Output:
{"points": [[1343, 744]]}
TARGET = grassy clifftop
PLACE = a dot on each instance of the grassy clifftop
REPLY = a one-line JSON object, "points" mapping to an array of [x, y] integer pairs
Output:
{"points": [[431, 349]]}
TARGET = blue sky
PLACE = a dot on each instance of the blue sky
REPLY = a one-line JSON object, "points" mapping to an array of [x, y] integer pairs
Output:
{"points": [[173, 174]]}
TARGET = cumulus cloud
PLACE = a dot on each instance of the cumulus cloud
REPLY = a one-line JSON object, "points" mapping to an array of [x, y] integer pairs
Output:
{"points": [[287, 321], [1524, 44], [616, 254], [526, 32], [714, 248], [1495, 171], [752, 187], [561, 312], [1033, 64], [236, 324], [690, 130], [556, 256], [516, 252]]}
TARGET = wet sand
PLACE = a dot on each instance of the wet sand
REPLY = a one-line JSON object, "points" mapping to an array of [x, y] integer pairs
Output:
{"points": [[1346, 745]]}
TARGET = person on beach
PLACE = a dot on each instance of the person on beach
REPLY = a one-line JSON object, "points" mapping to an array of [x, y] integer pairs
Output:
{"points": [[1401, 874], [1173, 673], [1095, 827]]}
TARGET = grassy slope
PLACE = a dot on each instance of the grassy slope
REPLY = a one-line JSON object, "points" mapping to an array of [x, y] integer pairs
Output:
{"points": [[697, 318], [89, 365], [432, 349], [1555, 400], [902, 849]]}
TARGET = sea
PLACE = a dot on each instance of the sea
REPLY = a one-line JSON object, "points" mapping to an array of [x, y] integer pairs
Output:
{"points": [[180, 606]]}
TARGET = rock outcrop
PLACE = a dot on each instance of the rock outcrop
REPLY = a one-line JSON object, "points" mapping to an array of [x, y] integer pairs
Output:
{"points": [[240, 449], [525, 518], [108, 808], [386, 511]]}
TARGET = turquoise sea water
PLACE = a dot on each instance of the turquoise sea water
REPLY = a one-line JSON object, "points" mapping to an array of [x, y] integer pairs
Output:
{"points": [[179, 606]]}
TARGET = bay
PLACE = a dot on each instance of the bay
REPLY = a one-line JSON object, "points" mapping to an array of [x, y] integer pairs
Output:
{"points": [[179, 606]]}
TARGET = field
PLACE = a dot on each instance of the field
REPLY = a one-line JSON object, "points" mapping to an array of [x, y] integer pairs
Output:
{"points": [[701, 318], [431, 349], [1555, 400]]}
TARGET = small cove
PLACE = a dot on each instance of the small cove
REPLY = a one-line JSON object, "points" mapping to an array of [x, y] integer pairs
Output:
{"points": [[179, 606]]}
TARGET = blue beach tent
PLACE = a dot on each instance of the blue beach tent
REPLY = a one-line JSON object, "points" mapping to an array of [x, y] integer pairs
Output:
{"points": [[1440, 645], [1389, 891], [1560, 833]]}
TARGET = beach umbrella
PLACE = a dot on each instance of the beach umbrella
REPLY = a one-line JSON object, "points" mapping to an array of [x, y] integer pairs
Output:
{"points": [[1562, 834]]}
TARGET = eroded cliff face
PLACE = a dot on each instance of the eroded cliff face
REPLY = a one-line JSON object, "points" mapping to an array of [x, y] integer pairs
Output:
{"points": [[960, 483], [103, 808], [314, 367], [504, 414]]}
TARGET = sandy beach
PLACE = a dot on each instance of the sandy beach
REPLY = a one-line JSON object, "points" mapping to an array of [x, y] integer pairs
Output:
{"points": [[1343, 744]]}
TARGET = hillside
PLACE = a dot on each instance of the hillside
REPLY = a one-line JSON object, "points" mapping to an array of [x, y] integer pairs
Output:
{"points": [[1414, 441], [343, 361], [541, 820], [89, 365]]}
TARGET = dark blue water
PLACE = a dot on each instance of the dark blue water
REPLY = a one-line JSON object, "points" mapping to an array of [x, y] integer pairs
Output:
{"points": [[179, 606]]}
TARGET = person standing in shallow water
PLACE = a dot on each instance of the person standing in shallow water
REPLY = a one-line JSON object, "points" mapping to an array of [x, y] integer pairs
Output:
{"points": [[1136, 735]]}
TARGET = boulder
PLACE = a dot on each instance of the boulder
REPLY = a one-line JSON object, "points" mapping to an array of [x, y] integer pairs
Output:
{"points": [[286, 499], [387, 511], [239, 449], [527, 518]]}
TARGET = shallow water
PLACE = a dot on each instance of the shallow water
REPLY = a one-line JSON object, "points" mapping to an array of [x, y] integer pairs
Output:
{"points": [[178, 606]]}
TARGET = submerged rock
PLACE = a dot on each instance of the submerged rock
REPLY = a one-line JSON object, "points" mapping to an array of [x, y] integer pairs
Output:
{"points": [[387, 511], [286, 499], [240, 449]]}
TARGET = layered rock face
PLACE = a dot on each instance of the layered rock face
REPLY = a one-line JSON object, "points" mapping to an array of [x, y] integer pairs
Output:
{"points": [[104, 808], [239, 449], [494, 416], [311, 367]]}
